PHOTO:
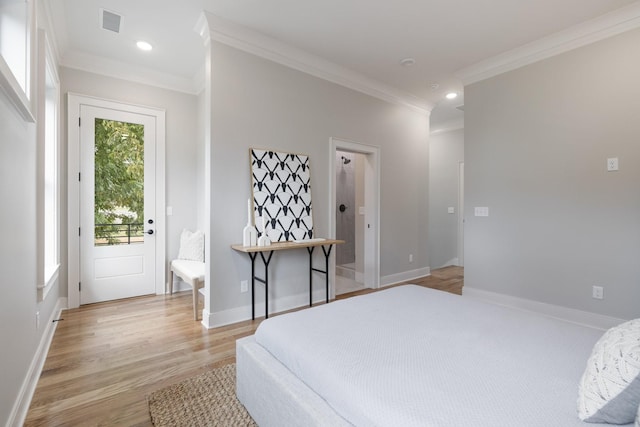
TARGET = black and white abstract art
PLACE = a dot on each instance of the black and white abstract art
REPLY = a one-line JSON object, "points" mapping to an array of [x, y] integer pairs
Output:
{"points": [[281, 185]]}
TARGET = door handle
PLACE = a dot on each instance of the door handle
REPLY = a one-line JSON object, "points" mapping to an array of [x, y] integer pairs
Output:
{"points": [[149, 231]]}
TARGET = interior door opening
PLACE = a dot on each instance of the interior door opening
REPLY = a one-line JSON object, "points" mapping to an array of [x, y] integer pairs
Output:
{"points": [[349, 221], [354, 215]]}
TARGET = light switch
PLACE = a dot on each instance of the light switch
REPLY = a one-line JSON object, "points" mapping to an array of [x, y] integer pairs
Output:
{"points": [[451, 209], [361, 210], [481, 211], [169, 210]]}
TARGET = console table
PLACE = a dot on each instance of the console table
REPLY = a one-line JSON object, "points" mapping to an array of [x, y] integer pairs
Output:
{"points": [[266, 252]]}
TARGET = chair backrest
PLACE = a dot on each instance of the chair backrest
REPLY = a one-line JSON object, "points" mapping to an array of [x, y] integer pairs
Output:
{"points": [[191, 245]]}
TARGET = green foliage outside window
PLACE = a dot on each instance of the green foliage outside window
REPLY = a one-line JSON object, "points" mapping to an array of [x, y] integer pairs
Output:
{"points": [[119, 182]]}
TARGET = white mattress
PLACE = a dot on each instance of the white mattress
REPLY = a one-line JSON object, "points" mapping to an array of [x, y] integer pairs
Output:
{"points": [[411, 356]]}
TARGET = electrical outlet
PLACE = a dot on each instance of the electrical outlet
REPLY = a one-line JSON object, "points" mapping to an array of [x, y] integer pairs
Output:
{"points": [[481, 211], [244, 286], [612, 164], [410, 258], [598, 292]]}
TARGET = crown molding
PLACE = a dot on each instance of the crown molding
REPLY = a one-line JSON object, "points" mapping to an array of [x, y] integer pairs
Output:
{"points": [[448, 126], [54, 40], [613, 23], [212, 27], [120, 70]]}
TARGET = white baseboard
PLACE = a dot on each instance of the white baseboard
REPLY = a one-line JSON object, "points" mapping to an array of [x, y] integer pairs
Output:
{"points": [[178, 286], [452, 261], [23, 400], [393, 279], [585, 318], [240, 314], [349, 273]]}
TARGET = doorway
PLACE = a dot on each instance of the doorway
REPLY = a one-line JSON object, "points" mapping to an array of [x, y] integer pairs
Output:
{"points": [[118, 194], [349, 222], [354, 215], [461, 214]]}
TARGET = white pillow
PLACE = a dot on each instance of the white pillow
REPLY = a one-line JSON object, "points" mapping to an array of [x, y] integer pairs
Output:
{"points": [[191, 245], [609, 390]]}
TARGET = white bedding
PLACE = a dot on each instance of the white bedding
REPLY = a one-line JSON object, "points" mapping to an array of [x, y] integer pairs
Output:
{"points": [[411, 356]]}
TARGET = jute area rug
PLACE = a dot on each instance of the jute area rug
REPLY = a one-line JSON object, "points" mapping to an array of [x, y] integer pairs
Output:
{"points": [[208, 399]]}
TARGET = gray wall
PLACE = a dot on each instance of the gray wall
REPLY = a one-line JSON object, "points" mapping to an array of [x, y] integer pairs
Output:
{"points": [[536, 144], [181, 141], [258, 103], [446, 151], [18, 305]]}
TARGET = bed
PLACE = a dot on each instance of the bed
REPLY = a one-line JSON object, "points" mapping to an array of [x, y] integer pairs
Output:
{"points": [[412, 356]]}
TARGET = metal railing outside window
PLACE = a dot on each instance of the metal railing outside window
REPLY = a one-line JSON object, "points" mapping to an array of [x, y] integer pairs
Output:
{"points": [[118, 234]]}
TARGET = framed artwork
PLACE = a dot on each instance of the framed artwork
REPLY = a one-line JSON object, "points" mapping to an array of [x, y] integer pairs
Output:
{"points": [[281, 195]]}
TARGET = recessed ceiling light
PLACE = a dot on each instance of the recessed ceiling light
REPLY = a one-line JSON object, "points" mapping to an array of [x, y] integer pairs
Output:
{"points": [[142, 45], [407, 62], [451, 95]]}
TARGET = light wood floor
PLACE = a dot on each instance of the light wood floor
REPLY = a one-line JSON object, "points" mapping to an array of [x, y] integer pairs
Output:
{"points": [[106, 358]]}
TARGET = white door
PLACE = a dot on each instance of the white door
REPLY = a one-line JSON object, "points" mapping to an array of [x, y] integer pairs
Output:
{"points": [[117, 204]]}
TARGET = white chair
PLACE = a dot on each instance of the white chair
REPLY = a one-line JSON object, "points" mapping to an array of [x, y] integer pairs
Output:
{"points": [[192, 273], [190, 264]]}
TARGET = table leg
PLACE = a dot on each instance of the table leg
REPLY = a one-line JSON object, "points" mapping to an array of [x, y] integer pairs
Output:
{"points": [[326, 252], [310, 250], [266, 262], [253, 255]]}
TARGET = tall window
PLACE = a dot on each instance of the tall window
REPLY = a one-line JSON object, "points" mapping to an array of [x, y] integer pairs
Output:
{"points": [[51, 173], [13, 38], [48, 168], [16, 31]]}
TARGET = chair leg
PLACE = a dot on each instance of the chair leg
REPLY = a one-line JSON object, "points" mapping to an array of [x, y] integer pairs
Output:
{"points": [[195, 287], [171, 283]]}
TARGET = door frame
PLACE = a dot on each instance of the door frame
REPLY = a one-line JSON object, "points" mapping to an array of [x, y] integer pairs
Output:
{"points": [[460, 241], [371, 202], [74, 102]]}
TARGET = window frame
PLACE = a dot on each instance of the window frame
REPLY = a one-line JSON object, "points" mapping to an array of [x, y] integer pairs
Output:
{"points": [[49, 172], [20, 95]]}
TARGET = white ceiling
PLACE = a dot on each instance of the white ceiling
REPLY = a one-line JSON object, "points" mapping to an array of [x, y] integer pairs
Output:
{"points": [[368, 37]]}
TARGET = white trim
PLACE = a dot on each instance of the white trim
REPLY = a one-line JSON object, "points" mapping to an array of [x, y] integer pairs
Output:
{"points": [[394, 279], [460, 219], [121, 70], [242, 313], [45, 64], [452, 261], [371, 277], [10, 86], [49, 279], [23, 401], [608, 25], [22, 99], [579, 317], [73, 195], [448, 126], [45, 19], [251, 41]]}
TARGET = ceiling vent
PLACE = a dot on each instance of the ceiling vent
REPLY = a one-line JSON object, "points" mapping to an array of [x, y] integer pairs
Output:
{"points": [[110, 20]]}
